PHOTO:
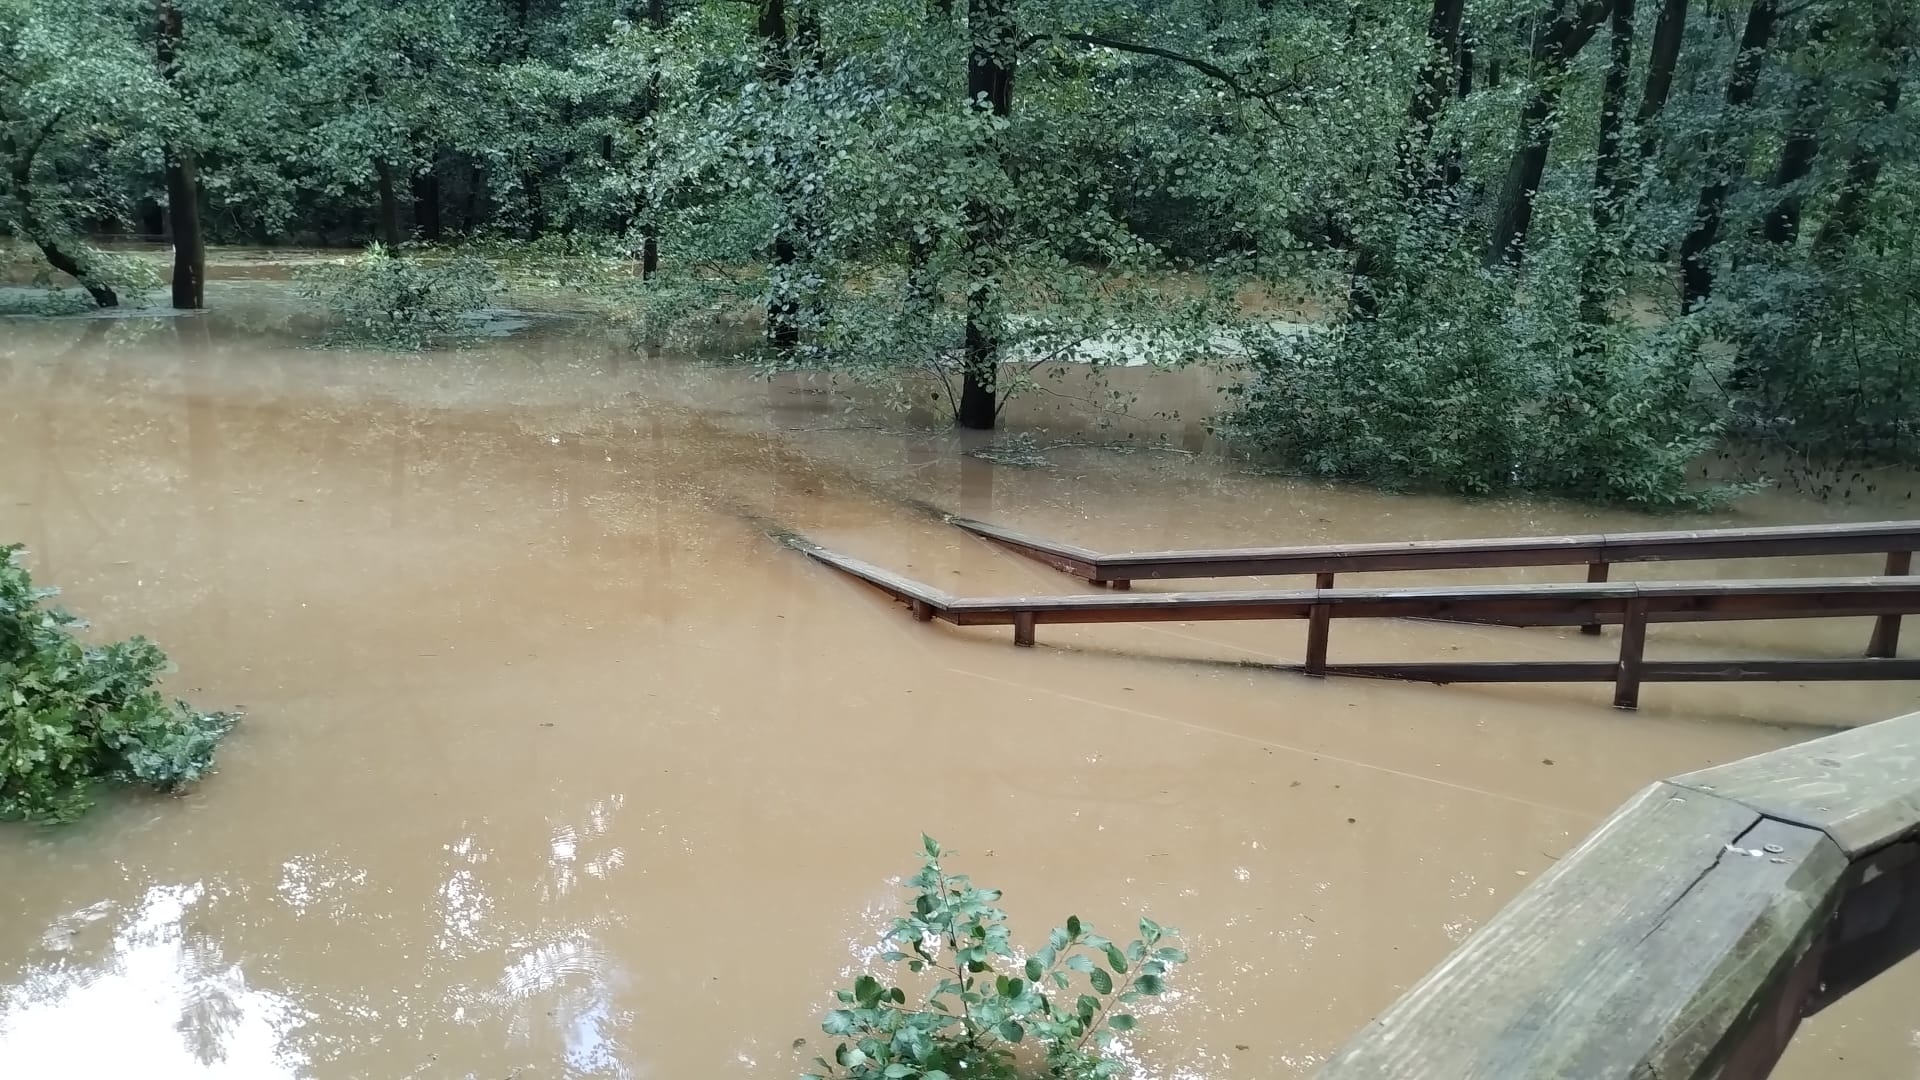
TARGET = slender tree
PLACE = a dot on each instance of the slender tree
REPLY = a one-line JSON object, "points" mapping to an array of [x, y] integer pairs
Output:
{"points": [[1696, 250], [991, 60], [183, 185], [1570, 24]]}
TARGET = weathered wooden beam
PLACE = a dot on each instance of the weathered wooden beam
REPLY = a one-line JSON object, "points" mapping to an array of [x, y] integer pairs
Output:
{"points": [[1861, 787], [1686, 937], [1595, 548], [1639, 954], [1666, 671], [1886, 629]]}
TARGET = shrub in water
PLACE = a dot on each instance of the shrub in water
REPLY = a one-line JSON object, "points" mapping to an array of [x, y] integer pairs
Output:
{"points": [[1458, 385], [974, 1001], [75, 715], [384, 298]]}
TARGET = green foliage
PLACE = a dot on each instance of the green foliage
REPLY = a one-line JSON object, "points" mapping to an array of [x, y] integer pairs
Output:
{"points": [[1458, 385], [74, 715], [974, 999], [401, 301]]}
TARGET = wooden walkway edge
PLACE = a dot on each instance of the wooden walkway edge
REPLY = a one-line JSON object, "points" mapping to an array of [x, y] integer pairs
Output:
{"points": [[1633, 605], [1689, 934]]}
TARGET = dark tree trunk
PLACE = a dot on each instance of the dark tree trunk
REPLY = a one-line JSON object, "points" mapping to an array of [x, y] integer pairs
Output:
{"points": [[1849, 213], [40, 232], [476, 195], [1781, 225], [644, 212], [183, 186], [783, 301], [1669, 31], [1696, 251], [1415, 179], [536, 202], [1567, 33], [389, 205], [426, 206], [1609, 174], [991, 64]]}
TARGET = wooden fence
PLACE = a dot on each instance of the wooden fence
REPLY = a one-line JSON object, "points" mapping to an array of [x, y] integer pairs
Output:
{"points": [[1688, 935], [1897, 540], [1633, 605]]}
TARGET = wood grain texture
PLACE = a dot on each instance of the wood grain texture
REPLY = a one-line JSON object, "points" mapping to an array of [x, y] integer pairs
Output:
{"points": [[1766, 542], [1641, 953], [1860, 787]]}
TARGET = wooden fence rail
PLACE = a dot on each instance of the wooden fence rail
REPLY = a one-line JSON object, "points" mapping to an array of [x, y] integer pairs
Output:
{"points": [[1633, 605], [1687, 936], [1897, 540]]}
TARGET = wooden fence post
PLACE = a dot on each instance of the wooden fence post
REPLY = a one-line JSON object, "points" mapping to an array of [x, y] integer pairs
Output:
{"points": [[1596, 573], [922, 611], [1886, 629], [1023, 628], [1633, 646], [1323, 581], [1319, 623]]}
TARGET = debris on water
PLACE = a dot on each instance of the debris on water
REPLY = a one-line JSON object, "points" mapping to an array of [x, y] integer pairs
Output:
{"points": [[1018, 451], [1774, 849]]}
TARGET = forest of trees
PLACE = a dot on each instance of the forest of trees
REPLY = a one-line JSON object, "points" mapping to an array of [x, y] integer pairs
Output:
{"points": [[1563, 245]]}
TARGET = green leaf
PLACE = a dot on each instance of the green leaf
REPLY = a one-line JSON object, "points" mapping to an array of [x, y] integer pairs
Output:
{"points": [[839, 1022], [1149, 930], [1116, 959], [1121, 1021], [897, 1070], [1073, 926], [1149, 984], [1102, 982], [866, 990], [932, 846], [1035, 968], [1010, 1030]]}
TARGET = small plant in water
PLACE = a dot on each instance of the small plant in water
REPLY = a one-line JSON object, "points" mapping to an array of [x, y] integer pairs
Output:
{"points": [[976, 1003], [386, 298], [74, 715]]}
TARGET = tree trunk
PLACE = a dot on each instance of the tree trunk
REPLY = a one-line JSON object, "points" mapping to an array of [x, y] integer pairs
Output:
{"points": [[426, 206], [645, 212], [1414, 178], [1781, 225], [39, 231], [389, 206], [1553, 51], [783, 300], [183, 186], [1609, 177], [189, 246], [1696, 251], [1849, 213], [991, 63], [1669, 31]]}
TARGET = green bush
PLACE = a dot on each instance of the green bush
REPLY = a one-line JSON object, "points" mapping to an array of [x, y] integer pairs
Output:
{"points": [[74, 715], [976, 1000], [1456, 384], [400, 301]]}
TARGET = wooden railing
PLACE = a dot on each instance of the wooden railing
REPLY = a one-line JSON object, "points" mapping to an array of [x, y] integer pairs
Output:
{"points": [[1633, 605], [1598, 551], [1688, 935]]}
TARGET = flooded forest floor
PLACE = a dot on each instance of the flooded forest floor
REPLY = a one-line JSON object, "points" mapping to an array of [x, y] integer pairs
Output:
{"points": [[555, 764]]}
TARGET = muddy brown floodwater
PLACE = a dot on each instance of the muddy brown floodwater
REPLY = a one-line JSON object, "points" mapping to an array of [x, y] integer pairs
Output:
{"points": [[555, 766]]}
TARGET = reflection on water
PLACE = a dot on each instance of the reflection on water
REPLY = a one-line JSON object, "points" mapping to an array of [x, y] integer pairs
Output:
{"points": [[556, 766], [149, 997]]}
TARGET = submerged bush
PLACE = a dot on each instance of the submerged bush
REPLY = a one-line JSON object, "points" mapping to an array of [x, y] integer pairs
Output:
{"points": [[975, 1000], [1457, 385], [385, 298], [74, 715]]}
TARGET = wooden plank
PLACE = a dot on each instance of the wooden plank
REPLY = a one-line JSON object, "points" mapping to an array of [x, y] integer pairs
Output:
{"points": [[1319, 629], [1635, 955], [1633, 647], [1596, 573], [895, 585], [1666, 671], [1886, 629], [1770, 541], [1860, 787]]}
